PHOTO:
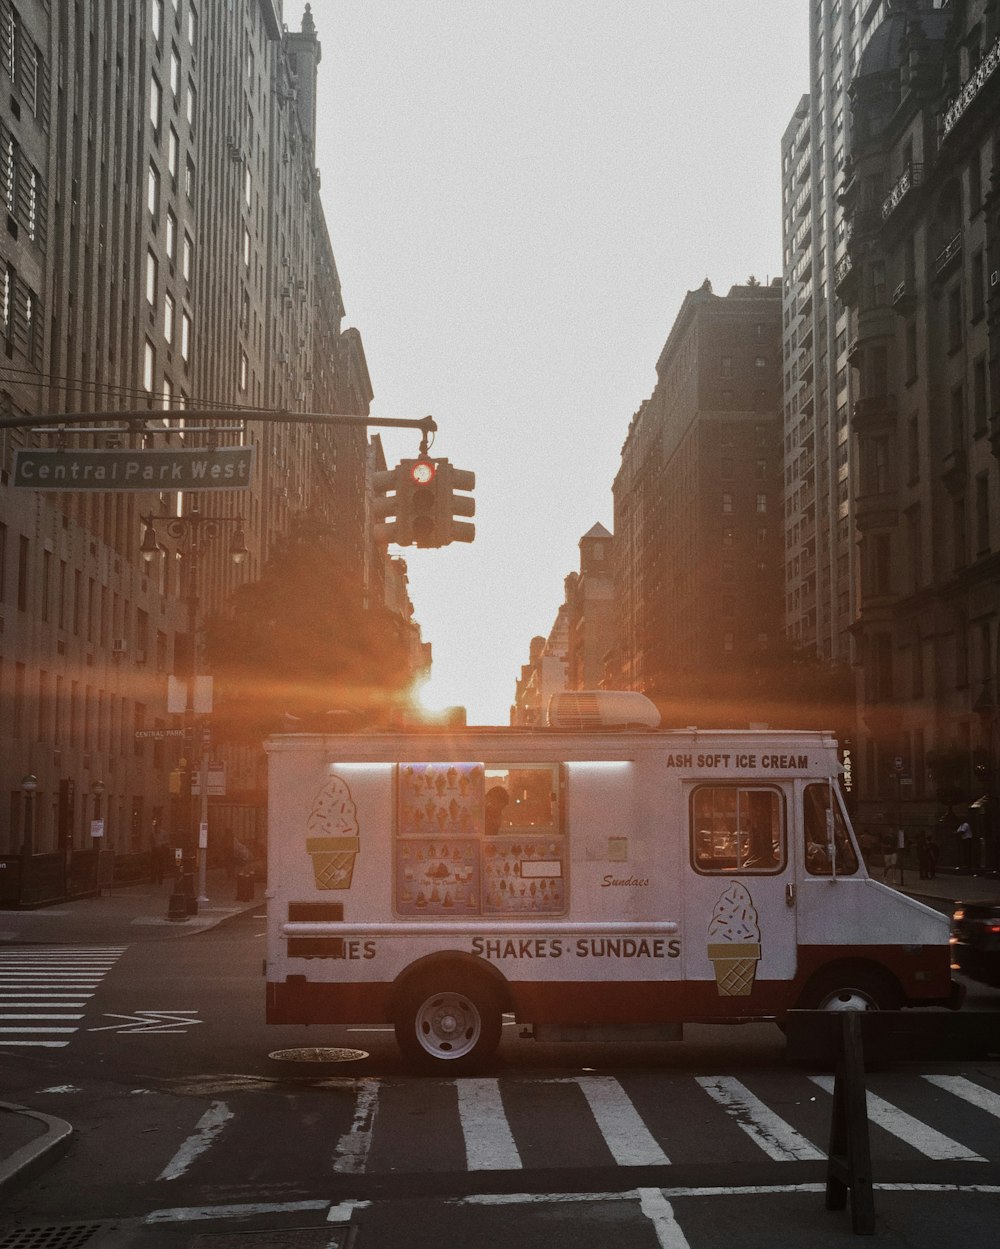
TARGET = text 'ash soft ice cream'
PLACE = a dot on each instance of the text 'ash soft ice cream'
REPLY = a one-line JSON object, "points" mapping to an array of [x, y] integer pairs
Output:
{"points": [[332, 838], [734, 942]]}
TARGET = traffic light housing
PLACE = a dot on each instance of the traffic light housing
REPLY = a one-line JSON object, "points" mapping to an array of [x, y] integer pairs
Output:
{"points": [[419, 503], [455, 505], [387, 507]]}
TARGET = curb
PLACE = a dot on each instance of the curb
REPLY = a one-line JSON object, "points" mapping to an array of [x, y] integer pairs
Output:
{"points": [[23, 1163]]}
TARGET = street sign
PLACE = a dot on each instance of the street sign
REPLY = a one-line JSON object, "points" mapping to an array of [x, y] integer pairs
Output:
{"points": [[898, 763], [216, 781], [157, 735], [191, 468]]}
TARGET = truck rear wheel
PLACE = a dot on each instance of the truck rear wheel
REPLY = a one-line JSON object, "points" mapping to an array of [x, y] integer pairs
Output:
{"points": [[851, 989], [449, 1021]]}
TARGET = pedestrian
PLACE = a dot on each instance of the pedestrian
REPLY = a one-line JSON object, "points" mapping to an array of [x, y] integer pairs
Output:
{"points": [[964, 831], [933, 854], [158, 855], [888, 855]]}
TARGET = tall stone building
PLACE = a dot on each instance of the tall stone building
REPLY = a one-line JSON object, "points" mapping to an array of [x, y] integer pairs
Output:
{"points": [[165, 252], [697, 512], [922, 280], [819, 533]]}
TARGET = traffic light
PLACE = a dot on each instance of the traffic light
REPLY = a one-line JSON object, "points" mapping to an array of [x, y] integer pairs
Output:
{"points": [[453, 505], [417, 504], [387, 507], [421, 490]]}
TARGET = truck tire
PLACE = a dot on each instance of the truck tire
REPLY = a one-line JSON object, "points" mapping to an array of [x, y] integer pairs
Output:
{"points": [[449, 1020], [850, 988]]}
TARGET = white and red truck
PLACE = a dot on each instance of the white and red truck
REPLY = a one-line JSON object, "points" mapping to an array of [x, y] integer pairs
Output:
{"points": [[594, 881]]}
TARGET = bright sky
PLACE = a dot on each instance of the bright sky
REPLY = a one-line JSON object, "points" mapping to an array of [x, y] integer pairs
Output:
{"points": [[519, 195]]}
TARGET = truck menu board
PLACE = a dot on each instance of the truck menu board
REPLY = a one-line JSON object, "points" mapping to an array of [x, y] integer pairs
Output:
{"points": [[479, 839]]}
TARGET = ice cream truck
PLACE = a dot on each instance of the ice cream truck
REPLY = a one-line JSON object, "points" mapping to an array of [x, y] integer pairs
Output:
{"points": [[594, 882]]}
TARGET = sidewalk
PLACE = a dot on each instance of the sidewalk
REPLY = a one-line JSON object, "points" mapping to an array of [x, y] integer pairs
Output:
{"points": [[125, 915], [948, 886]]}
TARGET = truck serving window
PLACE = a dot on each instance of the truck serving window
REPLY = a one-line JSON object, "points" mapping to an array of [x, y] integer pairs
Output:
{"points": [[479, 839], [817, 831], [737, 828]]}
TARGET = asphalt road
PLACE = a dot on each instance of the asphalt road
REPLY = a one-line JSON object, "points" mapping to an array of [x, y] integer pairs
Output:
{"points": [[189, 1132]]}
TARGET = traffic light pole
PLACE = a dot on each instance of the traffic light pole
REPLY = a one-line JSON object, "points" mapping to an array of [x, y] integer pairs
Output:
{"points": [[222, 420]]}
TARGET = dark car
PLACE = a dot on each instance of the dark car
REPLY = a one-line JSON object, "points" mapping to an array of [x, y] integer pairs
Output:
{"points": [[975, 940]]}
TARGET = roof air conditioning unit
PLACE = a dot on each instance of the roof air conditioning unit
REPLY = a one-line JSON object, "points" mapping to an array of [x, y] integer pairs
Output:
{"points": [[602, 709], [118, 646]]}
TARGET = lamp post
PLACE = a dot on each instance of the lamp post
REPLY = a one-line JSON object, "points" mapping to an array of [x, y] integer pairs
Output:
{"points": [[29, 784], [191, 531], [97, 832]]}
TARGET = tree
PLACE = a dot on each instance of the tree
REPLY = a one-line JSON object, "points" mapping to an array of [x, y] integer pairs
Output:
{"points": [[299, 643]]}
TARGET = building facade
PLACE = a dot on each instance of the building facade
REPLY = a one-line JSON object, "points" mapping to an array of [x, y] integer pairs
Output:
{"points": [[165, 253], [697, 512], [924, 297]]}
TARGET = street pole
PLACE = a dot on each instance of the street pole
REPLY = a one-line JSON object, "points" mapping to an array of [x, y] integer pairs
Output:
{"points": [[187, 529], [203, 822]]}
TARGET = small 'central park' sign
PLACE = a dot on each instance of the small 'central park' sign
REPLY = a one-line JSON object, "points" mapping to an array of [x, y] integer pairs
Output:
{"points": [[225, 468]]}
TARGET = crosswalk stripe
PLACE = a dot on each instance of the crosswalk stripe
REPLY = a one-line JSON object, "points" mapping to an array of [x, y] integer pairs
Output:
{"points": [[630, 1141], [921, 1136], [489, 1143], [969, 1091], [778, 1139], [49, 986]]}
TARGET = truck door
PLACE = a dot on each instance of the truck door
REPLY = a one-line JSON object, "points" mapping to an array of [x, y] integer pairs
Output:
{"points": [[739, 896]]}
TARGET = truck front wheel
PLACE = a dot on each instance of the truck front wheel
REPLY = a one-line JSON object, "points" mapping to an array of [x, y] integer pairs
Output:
{"points": [[449, 1021]]}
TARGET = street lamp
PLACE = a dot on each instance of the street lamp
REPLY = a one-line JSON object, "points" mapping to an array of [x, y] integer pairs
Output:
{"points": [[191, 530], [29, 784]]}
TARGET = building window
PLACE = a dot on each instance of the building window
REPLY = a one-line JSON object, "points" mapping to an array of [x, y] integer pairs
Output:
{"points": [[192, 24], [959, 537], [957, 418], [911, 352], [192, 102], [156, 19], [185, 337], [246, 246], [153, 192], [189, 177], [244, 370], [168, 393], [175, 74], [148, 366], [155, 103], [982, 514], [728, 535], [173, 154], [171, 234], [247, 186], [22, 574], [761, 504], [152, 276], [977, 276], [954, 318], [979, 395], [727, 503], [726, 366], [187, 257], [169, 309], [760, 362]]}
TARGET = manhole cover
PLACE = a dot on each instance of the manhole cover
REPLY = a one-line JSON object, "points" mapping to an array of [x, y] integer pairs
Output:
{"points": [[318, 1054], [68, 1236]]}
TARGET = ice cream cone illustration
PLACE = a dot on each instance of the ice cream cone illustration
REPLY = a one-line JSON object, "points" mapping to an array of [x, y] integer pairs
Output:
{"points": [[734, 942], [334, 843]]}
